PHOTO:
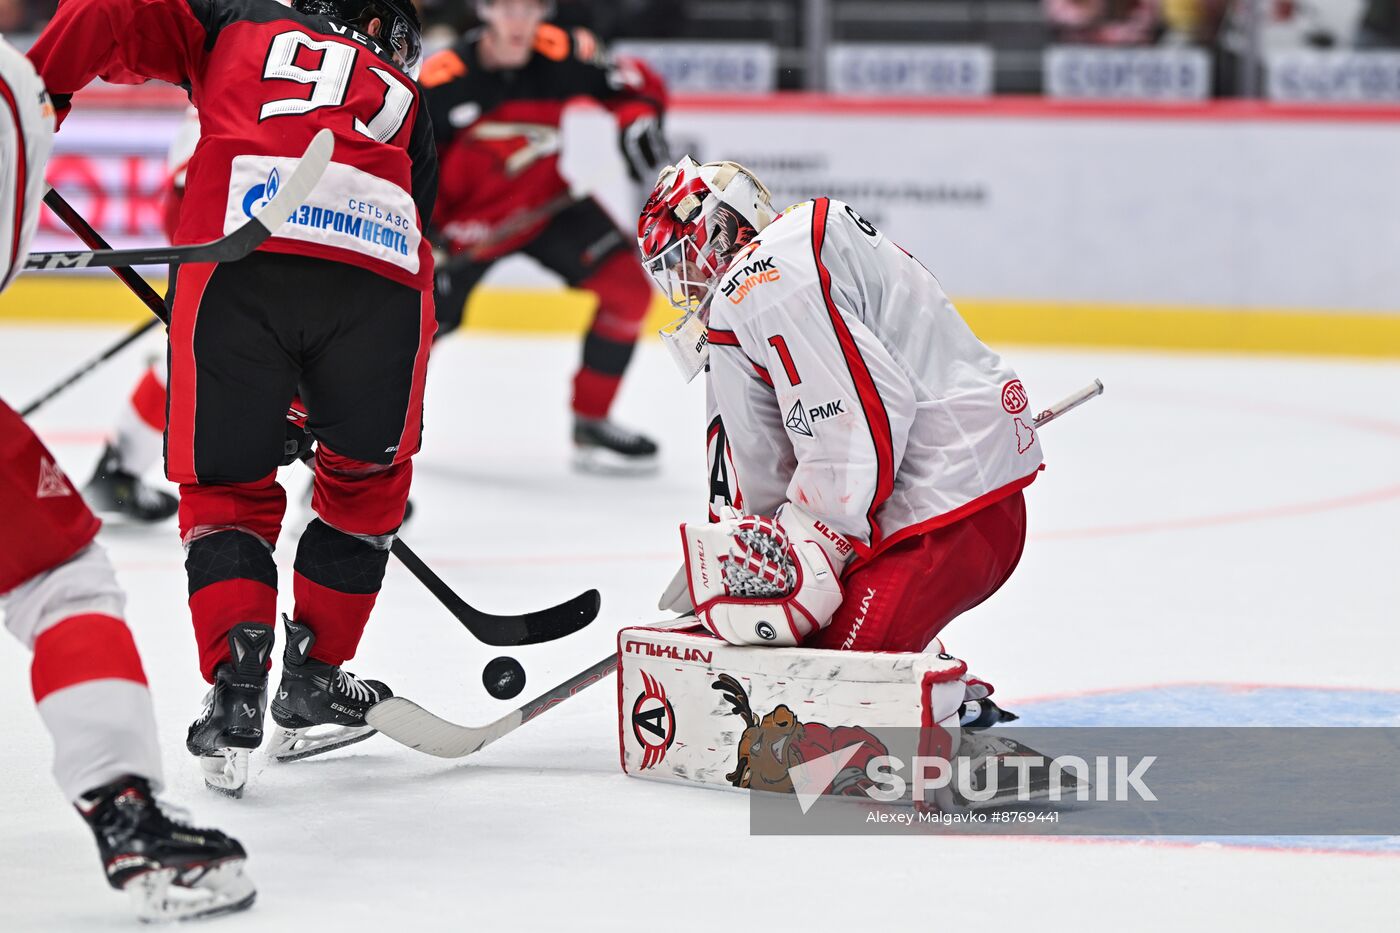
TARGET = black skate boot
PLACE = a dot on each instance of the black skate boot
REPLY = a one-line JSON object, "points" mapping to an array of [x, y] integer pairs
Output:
{"points": [[318, 706], [171, 870], [232, 720], [603, 446], [116, 492]]}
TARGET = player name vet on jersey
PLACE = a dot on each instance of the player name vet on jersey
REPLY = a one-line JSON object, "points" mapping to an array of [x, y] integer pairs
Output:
{"points": [[349, 208]]}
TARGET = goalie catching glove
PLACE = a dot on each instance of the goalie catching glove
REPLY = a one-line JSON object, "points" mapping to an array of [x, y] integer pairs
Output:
{"points": [[764, 581]]}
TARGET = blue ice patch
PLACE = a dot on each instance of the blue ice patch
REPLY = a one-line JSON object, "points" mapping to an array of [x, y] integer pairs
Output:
{"points": [[1230, 705]]}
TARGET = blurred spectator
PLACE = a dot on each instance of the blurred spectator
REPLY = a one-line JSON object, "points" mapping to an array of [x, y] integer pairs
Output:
{"points": [[1193, 22], [1105, 22], [25, 15], [1380, 25]]}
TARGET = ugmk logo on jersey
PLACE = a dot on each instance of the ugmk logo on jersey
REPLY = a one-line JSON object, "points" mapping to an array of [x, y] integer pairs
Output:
{"points": [[752, 275]]}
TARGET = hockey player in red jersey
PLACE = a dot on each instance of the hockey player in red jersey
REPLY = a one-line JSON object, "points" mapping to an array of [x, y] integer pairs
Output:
{"points": [[867, 451], [496, 98], [336, 306], [59, 596]]}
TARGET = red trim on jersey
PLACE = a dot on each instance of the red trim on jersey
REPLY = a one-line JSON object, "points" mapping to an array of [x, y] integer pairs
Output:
{"points": [[412, 436], [947, 518], [763, 374], [190, 284], [83, 648], [21, 177], [876, 418], [724, 338]]}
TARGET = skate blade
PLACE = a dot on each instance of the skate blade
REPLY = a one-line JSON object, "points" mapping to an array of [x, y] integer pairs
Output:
{"points": [[226, 772], [296, 744], [164, 897], [600, 461]]}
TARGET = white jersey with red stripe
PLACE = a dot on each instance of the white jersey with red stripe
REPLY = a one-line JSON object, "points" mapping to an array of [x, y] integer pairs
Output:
{"points": [[843, 379], [26, 138]]}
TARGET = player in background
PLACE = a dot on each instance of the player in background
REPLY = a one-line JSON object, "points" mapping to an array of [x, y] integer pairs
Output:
{"points": [[867, 451], [337, 306], [59, 597], [496, 99], [116, 486]]}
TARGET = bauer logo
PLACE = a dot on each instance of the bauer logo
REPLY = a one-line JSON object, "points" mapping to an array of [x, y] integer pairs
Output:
{"points": [[653, 722], [1014, 398]]}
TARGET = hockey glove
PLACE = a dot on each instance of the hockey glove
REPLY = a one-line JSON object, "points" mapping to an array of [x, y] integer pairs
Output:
{"points": [[644, 148], [762, 581]]}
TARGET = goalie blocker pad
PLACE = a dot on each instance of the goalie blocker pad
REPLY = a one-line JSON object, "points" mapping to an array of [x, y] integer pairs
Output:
{"points": [[696, 709]]}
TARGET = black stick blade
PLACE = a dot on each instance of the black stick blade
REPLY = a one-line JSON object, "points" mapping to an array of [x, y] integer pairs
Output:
{"points": [[532, 628]]}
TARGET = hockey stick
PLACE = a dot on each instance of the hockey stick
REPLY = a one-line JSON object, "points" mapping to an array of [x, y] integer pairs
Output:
{"points": [[293, 192], [410, 724], [497, 630]]}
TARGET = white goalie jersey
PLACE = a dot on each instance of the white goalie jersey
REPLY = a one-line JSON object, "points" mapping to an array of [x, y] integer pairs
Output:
{"points": [[26, 138], [843, 379]]}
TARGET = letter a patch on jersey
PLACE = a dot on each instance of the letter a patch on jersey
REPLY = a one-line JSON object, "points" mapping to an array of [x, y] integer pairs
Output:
{"points": [[797, 419], [52, 482]]}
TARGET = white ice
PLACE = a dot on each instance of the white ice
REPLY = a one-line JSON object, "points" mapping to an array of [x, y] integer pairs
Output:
{"points": [[1211, 518]]}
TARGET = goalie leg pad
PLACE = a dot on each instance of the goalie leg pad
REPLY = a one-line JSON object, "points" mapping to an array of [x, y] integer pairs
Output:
{"points": [[693, 708]]}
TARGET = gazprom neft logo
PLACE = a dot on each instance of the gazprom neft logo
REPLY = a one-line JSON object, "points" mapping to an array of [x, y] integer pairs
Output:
{"points": [[359, 218]]}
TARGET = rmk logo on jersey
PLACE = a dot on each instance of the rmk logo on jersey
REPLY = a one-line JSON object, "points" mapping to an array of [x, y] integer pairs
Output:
{"points": [[354, 221], [753, 275], [801, 419]]}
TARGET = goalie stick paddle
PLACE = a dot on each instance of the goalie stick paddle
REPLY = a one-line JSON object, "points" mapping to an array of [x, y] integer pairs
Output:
{"points": [[409, 724], [295, 190], [497, 630]]}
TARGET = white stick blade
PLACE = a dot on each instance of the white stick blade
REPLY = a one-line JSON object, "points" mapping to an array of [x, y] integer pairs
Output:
{"points": [[297, 188]]}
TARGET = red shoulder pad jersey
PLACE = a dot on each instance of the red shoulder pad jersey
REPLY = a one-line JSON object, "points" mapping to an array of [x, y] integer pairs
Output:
{"points": [[498, 131], [265, 80]]}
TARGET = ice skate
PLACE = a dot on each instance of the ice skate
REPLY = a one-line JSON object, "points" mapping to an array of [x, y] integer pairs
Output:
{"points": [[232, 721], [992, 782], [318, 707], [602, 446], [114, 491], [171, 870]]}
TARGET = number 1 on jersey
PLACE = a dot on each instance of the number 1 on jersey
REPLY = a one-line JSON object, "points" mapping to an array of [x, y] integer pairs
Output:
{"points": [[779, 344]]}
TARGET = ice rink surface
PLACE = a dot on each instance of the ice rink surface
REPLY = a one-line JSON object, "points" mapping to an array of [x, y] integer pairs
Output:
{"points": [[1210, 520]]}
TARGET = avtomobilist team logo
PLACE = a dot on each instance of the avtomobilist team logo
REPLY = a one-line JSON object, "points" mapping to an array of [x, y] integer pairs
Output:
{"points": [[1014, 398], [653, 722]]}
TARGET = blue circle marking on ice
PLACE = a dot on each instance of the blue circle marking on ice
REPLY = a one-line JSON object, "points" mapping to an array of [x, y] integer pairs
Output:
{"points": [[1231, 705]]}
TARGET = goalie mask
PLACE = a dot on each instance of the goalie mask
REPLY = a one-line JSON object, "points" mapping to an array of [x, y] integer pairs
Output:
{"points": [[697, 218]]}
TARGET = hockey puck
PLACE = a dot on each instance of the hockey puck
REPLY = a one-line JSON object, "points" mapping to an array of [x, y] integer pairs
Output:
{"points": [[503, 677]]}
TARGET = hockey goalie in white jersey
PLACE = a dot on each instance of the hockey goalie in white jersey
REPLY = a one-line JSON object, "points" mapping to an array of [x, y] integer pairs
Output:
{"points": [[59, 596], [867, 451]]}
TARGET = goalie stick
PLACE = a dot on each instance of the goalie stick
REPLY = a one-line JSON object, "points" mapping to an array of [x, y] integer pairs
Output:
{"points": [[295, 190], [410, 724], [497, 630]]}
